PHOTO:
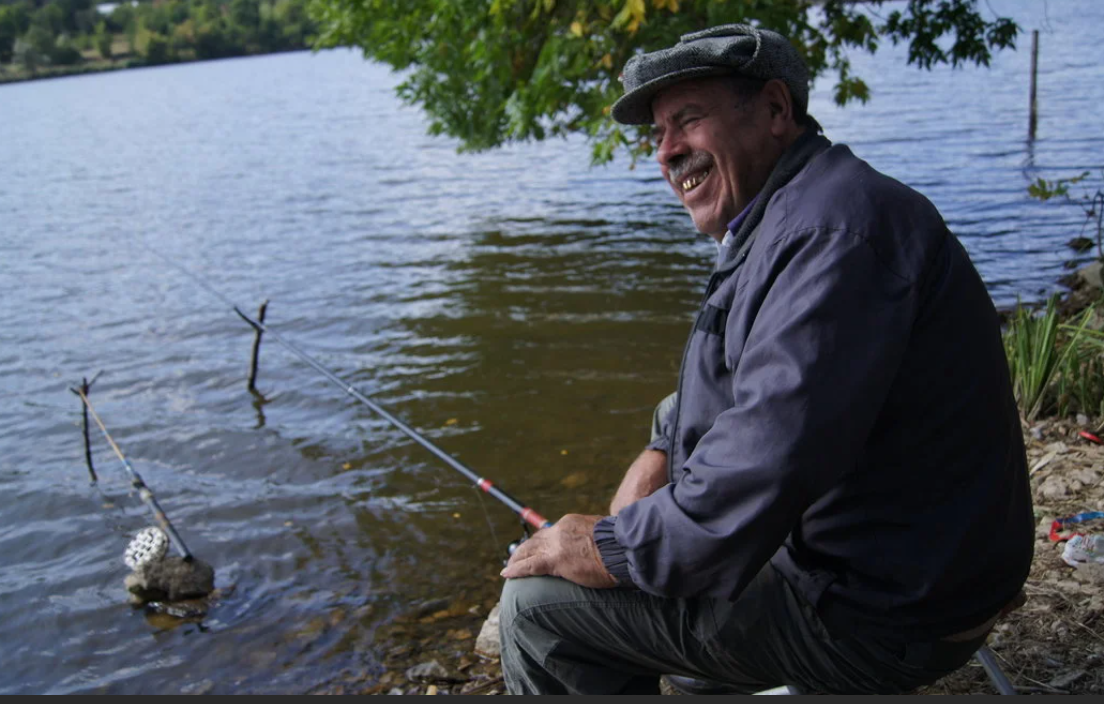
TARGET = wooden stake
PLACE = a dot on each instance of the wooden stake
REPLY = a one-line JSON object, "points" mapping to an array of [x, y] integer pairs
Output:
{"points": [[256, 347], [86, 387], [1033, 119]]}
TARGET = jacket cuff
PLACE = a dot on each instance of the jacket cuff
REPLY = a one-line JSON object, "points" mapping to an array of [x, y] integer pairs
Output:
{"points": [[612, 552]]}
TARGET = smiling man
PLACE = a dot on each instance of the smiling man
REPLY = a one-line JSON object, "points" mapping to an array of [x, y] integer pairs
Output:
{"points": [[844, 435]]}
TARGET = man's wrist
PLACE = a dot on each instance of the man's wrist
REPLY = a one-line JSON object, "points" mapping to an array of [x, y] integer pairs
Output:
{"points": [[613, 554]]}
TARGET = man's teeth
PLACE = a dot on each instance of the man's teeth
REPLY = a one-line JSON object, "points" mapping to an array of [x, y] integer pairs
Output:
{"points": [[692, 182]]}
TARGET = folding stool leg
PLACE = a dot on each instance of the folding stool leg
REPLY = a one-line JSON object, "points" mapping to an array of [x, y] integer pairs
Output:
{"points": [[996, 676]]}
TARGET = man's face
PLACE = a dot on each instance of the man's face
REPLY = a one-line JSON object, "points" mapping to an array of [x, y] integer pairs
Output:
{"points": [[715, 151]]}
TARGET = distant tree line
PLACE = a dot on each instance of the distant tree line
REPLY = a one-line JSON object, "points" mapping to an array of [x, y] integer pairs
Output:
{"points": [[36, 34]]}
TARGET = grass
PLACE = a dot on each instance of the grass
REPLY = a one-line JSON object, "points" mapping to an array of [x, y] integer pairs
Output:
{"points": [[1056, 367]]}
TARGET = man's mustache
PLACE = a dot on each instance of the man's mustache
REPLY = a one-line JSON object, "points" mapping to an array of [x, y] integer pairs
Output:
{"points": [[688, 164]]}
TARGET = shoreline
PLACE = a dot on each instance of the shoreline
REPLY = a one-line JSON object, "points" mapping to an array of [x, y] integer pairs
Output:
{"points": [[100, 66]]}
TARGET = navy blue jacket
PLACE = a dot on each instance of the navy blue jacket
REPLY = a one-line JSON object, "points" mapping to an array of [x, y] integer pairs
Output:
{"points": [[845, 412]]}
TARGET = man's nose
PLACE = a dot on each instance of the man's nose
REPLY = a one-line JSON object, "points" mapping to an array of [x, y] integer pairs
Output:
{"points": [[671, 150]]}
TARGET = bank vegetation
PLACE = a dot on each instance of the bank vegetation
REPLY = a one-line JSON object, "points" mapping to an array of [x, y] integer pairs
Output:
{"points": [[43, 38]]}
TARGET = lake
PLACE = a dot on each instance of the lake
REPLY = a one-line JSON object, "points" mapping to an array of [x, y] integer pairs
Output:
{"points": [[522, 309]]}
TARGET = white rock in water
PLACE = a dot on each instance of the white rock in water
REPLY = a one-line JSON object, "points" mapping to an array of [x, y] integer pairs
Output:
{"points": [[1091, 275], [487, 644]]}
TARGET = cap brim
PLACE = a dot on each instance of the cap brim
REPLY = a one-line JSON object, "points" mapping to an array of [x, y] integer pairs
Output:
{"points": [[635, 107]]}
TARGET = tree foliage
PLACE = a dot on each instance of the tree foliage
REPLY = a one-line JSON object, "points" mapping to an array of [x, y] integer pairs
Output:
{"points": [[491, 72]]}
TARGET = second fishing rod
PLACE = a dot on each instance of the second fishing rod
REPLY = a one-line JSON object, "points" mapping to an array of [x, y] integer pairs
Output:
{"points": [[528, 515]]}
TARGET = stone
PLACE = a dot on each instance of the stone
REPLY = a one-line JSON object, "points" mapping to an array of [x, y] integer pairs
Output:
{"points": [[1053, 488], [1091, 275], [1065, 680], [487, 644], [431, 671], [1091, 573], [198, 688], [170, 579], [428, 608], [1089, 476], [1042, 530]]}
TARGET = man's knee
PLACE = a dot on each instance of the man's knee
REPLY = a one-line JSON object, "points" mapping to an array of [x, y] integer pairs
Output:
{"points": [[520, 596]]}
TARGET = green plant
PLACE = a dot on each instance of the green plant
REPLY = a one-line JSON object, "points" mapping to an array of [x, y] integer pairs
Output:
{"points": [[1089, 387], [1047, 360]]}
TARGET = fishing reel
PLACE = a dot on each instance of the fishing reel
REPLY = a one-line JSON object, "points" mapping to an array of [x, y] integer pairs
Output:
{"points": [[526, 533]]}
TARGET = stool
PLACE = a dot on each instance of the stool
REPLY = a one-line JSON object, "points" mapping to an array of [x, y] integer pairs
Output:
{"points": [[983, 655]]}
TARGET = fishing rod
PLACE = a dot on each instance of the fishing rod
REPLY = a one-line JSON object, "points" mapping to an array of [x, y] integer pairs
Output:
{"points": [[136, 481], [526, 514]]}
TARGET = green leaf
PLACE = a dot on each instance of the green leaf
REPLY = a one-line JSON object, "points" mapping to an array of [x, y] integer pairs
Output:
{"points": [[491, 72]]}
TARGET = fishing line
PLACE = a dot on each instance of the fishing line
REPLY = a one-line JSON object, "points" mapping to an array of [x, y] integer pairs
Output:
{"points": [[136, 481], [527, 514]]}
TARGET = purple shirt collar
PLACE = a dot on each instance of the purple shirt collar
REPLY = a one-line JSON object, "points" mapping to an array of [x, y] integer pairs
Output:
{"points": [[739, 219]]}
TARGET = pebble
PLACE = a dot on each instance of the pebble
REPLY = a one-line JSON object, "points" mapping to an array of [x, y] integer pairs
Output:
{"points": [[1089, 476], [1063, 681], [1053, 488], [427, 672], [430, 607], [487, 643], [198, 688]]}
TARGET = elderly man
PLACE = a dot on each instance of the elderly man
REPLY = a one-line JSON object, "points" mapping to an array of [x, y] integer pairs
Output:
{"points": [[838, 499]]}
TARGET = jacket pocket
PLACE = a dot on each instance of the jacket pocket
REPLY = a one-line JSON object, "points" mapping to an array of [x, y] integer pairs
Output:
{"points": [[712, 320]]}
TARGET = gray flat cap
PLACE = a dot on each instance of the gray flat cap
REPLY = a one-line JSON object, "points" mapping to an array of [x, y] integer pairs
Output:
{"points": [[728, 49]]}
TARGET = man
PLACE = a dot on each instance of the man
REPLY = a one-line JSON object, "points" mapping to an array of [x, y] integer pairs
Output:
{"points": [[838, 499]]}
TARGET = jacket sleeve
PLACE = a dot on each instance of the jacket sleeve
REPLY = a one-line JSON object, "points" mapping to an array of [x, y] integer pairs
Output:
{"points": [[661, 424], [820, 356]]}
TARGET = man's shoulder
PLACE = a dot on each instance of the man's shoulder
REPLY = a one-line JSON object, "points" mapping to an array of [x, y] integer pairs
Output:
{"points": [[839, 189], [839, 195]]}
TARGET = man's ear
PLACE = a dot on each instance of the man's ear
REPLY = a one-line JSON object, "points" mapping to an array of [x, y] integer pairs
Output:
{"points": [[780, 106]]}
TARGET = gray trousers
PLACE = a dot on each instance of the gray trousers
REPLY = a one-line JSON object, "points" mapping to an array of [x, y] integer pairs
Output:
{"points": [[560, 638]]}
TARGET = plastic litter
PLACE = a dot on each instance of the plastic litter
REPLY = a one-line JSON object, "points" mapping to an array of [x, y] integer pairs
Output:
{"points": [[1084, 549]]}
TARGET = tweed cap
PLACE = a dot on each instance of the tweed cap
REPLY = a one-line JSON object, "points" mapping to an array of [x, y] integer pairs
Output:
{"points": [[728, 49]]}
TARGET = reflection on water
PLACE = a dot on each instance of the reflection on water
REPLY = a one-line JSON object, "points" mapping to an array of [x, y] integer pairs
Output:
{"points": [[524, 311]]}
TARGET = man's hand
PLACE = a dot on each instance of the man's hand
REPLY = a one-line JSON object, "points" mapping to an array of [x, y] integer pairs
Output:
{"points": [[565, 550], [647, 474]]}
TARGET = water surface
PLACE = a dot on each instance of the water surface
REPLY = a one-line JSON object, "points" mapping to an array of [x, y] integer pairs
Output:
{"points": [[524, 310]]}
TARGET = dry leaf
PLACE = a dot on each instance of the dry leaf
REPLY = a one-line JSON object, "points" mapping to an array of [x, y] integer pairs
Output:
{"points": [[574, 480]]}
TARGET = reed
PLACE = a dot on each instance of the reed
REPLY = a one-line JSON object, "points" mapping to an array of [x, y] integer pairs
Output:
{"points": [[1055, 367]]}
